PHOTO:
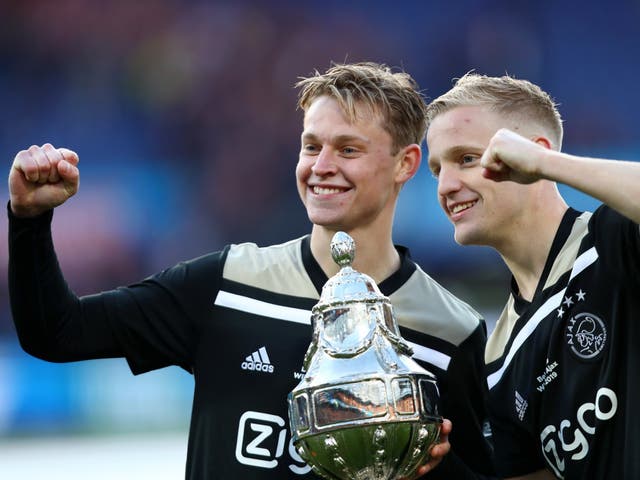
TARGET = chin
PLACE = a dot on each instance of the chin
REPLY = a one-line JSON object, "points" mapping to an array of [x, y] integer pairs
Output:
{"points": [[466, 238], [460, 242], [325, 222]]}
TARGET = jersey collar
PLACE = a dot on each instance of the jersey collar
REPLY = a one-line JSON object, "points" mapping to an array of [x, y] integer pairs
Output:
{"points": [[387, 286], [564, 229]]}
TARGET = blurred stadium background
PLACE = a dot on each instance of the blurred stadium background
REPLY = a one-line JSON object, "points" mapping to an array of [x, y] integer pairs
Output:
{"points": [[183, 113]]}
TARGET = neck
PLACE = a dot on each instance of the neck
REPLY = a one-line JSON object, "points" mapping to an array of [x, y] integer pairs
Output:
{"points": [[526, 253], [375, 254]]}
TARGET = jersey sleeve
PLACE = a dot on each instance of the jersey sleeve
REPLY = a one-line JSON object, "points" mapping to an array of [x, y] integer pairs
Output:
{"points": [[516, 450], [158, 321], [153, 323], [617, 240], [464, 402]]}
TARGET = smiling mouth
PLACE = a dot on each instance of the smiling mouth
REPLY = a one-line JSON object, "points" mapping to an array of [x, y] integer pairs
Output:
{"points": [[462, 206], [326, 190]]}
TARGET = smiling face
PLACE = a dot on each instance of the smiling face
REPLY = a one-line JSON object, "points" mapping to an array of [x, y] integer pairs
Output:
{"points": [[346, 174], [482, 211]]}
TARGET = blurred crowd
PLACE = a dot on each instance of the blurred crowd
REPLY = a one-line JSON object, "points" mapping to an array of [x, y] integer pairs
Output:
{"points": [[183, 112]]}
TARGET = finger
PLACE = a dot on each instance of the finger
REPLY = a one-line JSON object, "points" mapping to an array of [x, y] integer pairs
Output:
{"points": [[27, 165], [69, 155], [492, 167], [419, 473], [70, 176], [446, 427], [492, 162], [54, 158], [424, 469], [439, 450], [42, 162], [495, 176], [68, 172]]}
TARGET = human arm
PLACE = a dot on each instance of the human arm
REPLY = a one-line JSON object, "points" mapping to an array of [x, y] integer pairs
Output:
{"points": [[153, 323], [442, 449], [147, 322], [510, 156], [453, 467], [43, 306], [463, 401], [52, 323]]}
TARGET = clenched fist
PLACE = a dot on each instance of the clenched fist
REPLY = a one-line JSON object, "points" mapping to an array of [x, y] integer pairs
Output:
{"points": [[41, 178], [510, 156]]}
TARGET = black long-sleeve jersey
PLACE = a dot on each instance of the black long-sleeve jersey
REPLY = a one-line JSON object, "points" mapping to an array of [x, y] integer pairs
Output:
{"points": [[239, 321], [562, 368]]}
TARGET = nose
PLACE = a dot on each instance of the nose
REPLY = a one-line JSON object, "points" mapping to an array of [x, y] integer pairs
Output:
{"points": [[325, 163], [448, 181]]}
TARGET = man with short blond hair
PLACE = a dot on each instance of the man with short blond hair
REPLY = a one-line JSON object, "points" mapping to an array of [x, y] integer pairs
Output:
{"points": [[563, 356]]}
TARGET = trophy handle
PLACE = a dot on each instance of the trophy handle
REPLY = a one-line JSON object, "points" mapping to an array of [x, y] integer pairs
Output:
{"points": [[313, 346]]}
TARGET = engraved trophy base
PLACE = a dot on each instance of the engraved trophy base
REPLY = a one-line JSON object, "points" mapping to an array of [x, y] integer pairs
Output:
{"points": [[375, 452]]}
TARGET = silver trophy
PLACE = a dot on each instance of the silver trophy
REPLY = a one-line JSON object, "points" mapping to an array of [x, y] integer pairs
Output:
{"points": [[364, 408]]}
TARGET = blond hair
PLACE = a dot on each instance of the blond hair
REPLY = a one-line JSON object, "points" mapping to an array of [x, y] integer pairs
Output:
{"points": [[506, 95], [392, 95]]}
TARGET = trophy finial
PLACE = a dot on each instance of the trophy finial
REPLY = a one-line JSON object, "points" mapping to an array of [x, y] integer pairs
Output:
{"points": [[343, 249]]}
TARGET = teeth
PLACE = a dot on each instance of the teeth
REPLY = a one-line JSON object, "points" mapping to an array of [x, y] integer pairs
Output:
{"points": [[325, 191], [461, 206]]}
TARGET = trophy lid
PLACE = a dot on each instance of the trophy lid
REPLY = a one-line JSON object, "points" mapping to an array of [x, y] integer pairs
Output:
{"points": [[348, 285]]}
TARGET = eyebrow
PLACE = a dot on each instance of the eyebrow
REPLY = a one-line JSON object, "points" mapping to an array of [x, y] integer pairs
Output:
{"points": [[458, 149], [453, 152], [308, 136]]}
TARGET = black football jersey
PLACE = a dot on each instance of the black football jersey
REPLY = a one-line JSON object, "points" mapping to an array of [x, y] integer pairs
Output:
{"points": [[239, 321], [563, 368]]}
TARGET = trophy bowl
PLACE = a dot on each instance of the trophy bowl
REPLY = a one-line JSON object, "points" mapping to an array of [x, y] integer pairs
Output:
{"points": [[364, 408]]}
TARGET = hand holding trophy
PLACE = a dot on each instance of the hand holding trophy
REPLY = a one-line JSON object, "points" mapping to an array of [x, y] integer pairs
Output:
{"points": [[364, 409]]}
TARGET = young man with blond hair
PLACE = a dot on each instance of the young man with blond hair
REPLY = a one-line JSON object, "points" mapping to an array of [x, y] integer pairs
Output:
{"points": [[563, 356], [239, 319]]}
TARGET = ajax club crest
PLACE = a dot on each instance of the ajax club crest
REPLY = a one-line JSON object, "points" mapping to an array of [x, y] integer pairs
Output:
{"points": [[586, 335]]}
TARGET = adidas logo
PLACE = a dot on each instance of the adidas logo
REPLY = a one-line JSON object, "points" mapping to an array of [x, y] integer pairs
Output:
{"points": [[521, 406], [258, 361]]}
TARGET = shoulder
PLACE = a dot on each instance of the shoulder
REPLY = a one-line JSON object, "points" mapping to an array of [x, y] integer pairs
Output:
{"points": [[617, 242], [274, 267], [248, 257], [424, 305], [606, 218]]}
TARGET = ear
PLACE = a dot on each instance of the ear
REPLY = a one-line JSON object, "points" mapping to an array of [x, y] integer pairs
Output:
{"points": [[409, 163], [543, 142]]}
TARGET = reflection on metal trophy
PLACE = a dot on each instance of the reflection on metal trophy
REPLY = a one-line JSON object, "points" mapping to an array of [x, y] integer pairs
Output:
{"points": [[364, 409]]}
